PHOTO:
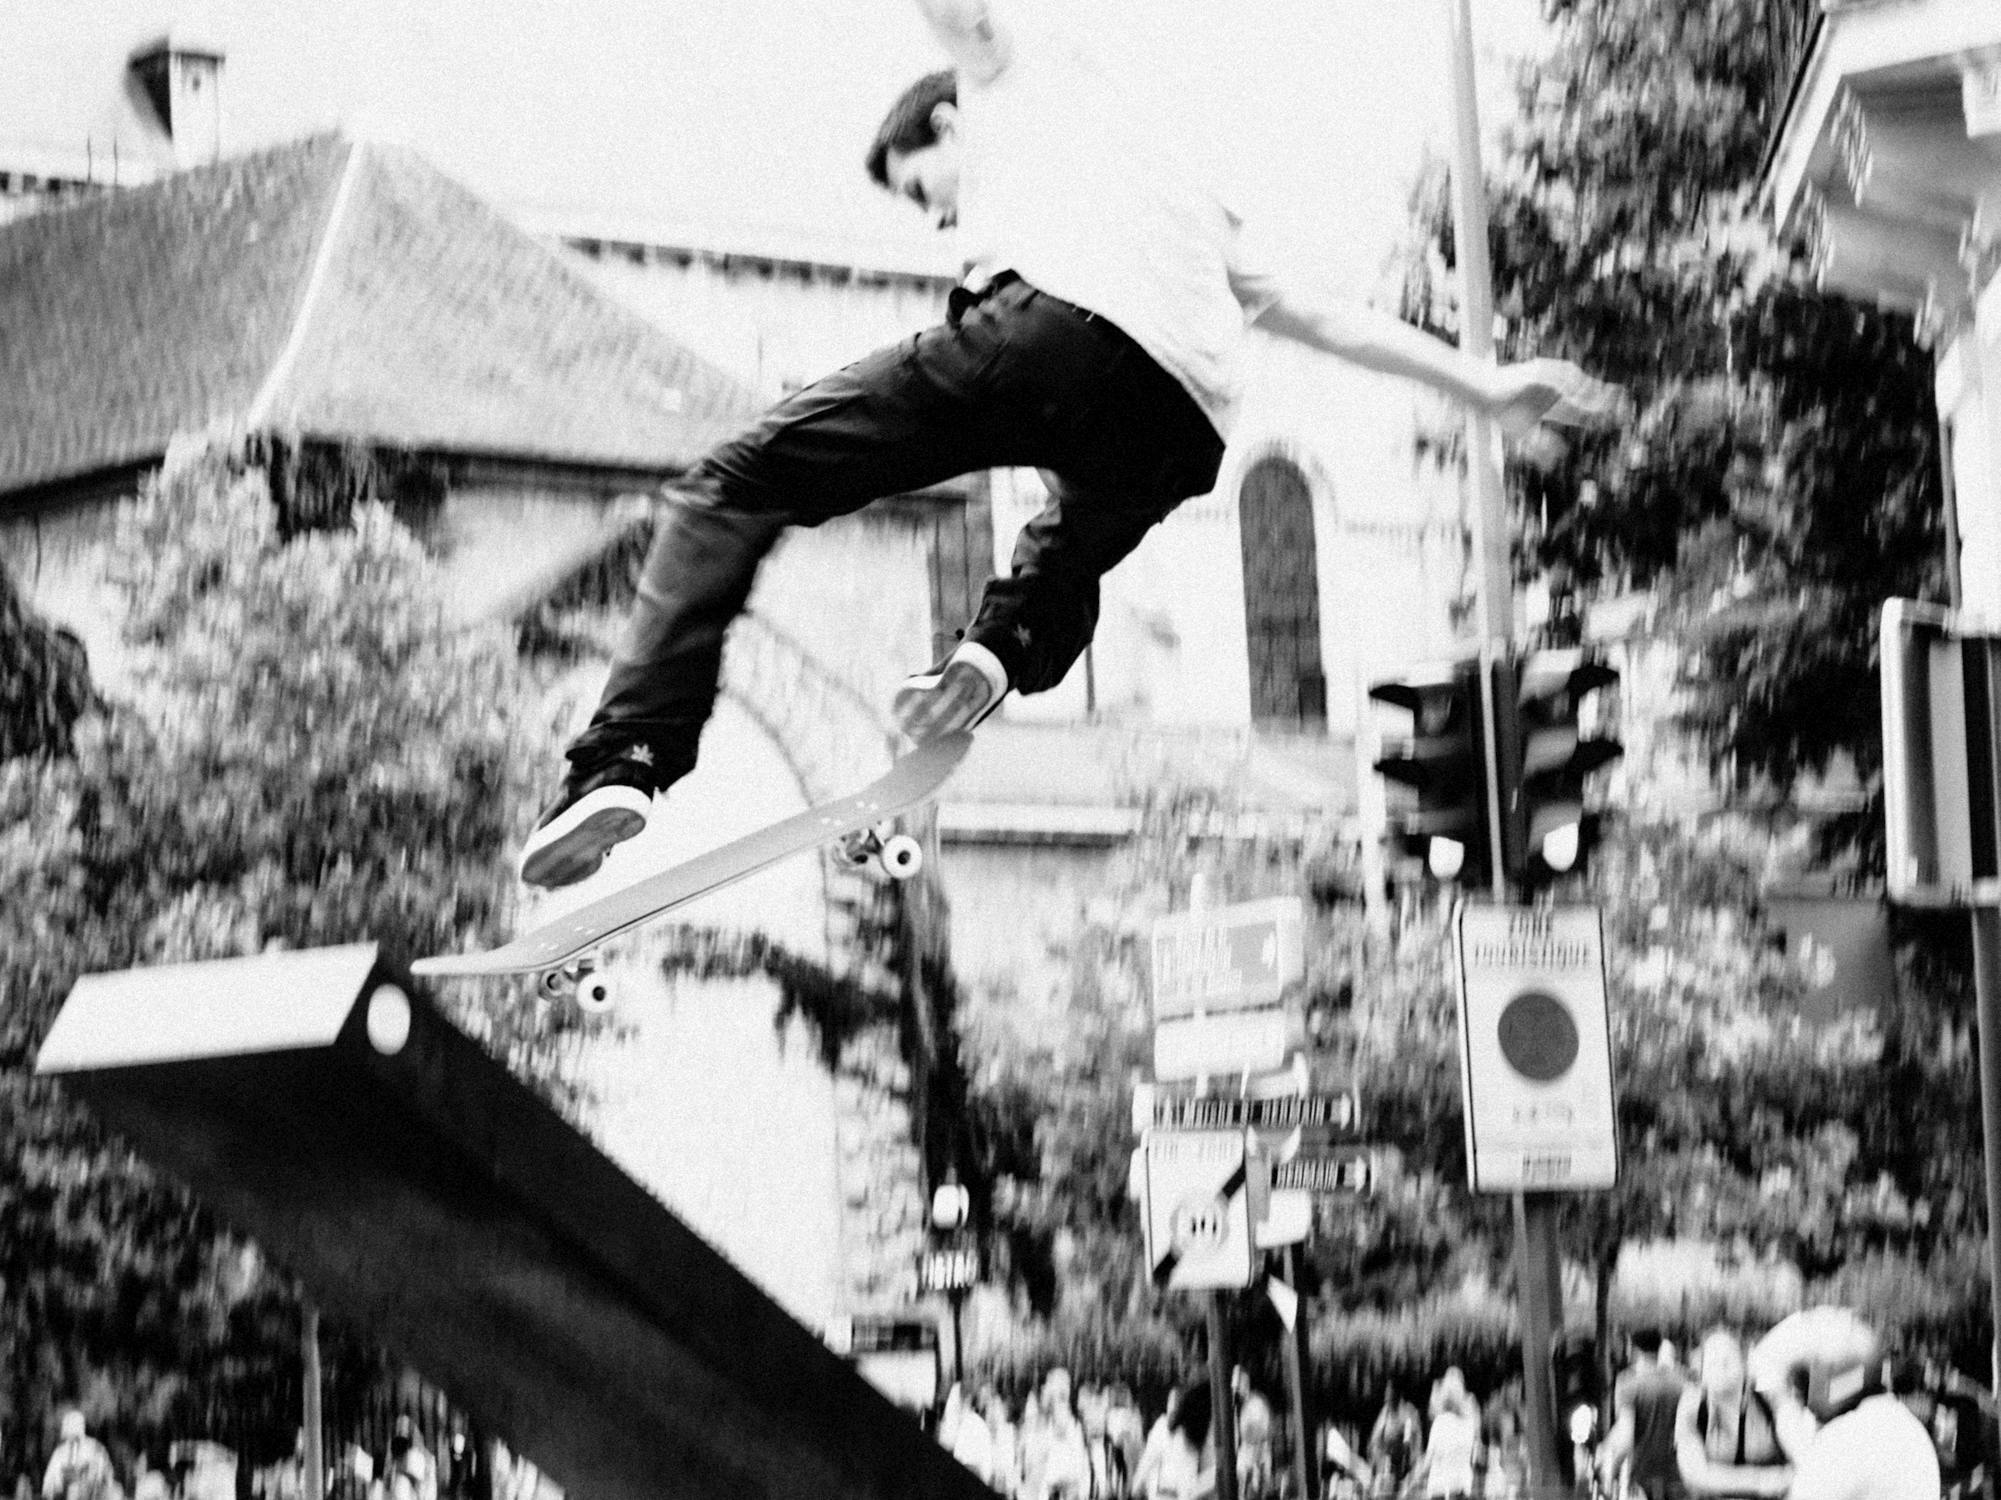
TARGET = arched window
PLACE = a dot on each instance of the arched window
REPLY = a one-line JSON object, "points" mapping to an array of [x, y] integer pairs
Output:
{"points": [[1282, 596]]}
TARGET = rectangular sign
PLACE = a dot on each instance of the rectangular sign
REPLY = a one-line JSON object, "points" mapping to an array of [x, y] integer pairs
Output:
{"points": [[1535, 1049], [1243, 1041], [1324, 1116], [952, 1268], [1326, 1172], [1197, 1209], [1941, 770], [1227, 958], [1980, 94]]}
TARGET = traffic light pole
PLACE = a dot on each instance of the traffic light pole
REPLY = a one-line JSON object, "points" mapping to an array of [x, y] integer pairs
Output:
{"points": [[1535, 1218]]}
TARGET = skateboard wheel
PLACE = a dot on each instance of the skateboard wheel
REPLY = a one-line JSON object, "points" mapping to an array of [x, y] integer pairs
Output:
{"points": [[556, 984], [902, 856], [594, 995], [858, 850]]}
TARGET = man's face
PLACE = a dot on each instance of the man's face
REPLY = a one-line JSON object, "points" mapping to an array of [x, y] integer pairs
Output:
{"points": [[929, 175]]}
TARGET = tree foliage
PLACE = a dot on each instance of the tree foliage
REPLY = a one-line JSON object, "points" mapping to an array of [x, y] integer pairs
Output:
{"points": [[1781, 477], [310, 757], [1771, 1142]]}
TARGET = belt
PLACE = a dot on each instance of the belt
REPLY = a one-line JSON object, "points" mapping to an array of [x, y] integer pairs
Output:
{"points": [[962, 298]]}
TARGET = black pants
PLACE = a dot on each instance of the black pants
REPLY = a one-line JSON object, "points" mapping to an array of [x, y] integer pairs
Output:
{"points": [[1013, 378]]}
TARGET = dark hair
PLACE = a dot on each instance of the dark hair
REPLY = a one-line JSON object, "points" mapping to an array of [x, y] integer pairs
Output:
{"points": [[1192, 1415], [1647, 1341], [908, 125]]}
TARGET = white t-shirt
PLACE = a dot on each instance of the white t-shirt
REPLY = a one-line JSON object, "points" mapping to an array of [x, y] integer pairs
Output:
{"points": [[1879, 1451], [1059, 184], [1449, 1453]]}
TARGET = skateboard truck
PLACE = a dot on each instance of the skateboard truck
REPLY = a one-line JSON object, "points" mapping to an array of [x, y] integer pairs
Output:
{"points": [[579, 983], [897, 855]]}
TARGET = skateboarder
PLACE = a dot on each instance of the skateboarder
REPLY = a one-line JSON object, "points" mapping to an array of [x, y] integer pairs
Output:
{"points": [[1094, 337]]}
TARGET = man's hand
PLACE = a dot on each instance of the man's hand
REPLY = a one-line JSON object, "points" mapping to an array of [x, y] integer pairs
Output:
{"points": [[969, 32], [1556, 393]]}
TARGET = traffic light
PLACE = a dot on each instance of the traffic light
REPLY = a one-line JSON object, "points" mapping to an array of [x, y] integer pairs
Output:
{"points": [[1547, 829], [1443, 827]]}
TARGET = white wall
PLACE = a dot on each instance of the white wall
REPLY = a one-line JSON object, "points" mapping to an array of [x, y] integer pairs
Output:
{"points": [[1969, 398]]}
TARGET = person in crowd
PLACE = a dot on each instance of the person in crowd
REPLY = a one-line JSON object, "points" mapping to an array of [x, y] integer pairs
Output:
{"points": [[1005, 1436], [286, 1479], [1109, 1473], [1124, 1426], [1156, 1446], [1450, 1468], [1645, 1399], [149, 1482], [1507, 1468], [1726, 1435], [1254, 1437], [80, 1468], [1343, 1468], [1186, 1469], [1064, 1470], [963, 1433], [1395, 1441], [412, 1473], [1876, 1446]]}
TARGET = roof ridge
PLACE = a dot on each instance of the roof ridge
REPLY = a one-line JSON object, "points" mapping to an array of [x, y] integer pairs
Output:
{"points": [[259, 410]]}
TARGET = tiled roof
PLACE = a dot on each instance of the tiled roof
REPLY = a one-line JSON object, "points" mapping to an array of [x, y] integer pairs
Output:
{"points": [[335, 289], [134, 315]]}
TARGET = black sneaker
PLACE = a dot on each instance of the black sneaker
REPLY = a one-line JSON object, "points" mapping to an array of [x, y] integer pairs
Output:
{"points": [[957, 693], [588, 816]]}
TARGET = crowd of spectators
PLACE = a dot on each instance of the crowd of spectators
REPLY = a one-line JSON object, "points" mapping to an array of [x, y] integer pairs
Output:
{"points": [[1710, 1429]]}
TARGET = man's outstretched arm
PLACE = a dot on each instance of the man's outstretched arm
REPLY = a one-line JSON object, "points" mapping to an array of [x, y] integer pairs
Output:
{"points": [[1517, 396], [969, 32]]}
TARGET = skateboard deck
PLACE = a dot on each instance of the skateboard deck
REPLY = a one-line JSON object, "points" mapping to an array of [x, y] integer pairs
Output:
{"points": [[913, 779]]}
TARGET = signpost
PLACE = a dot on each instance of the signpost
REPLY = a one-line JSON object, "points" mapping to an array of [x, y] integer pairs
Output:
{"points": [[1942, 811], [1535, 1049], [1329, 1117], [949, 1268], [1346, 1172], [1230, 958], [1197, 1210]]}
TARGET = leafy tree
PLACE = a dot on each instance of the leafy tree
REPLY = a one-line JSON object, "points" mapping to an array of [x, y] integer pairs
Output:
{"points": [[1781, 477], [311, 758], [44, 680]]}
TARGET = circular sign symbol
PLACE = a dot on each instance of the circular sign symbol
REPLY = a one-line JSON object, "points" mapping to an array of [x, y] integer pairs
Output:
{"points": [[1538, 1036], [1198, 1223]]}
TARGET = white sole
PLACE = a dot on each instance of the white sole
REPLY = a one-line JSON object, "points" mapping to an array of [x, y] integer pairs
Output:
{"points": [[960, 695], [573, 846]]}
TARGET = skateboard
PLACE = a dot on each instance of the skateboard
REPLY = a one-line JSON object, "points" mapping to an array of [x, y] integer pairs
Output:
{"points": [[562, 954]]}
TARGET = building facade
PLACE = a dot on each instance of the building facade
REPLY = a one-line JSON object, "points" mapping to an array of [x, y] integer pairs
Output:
{"points": [[1888, 162]]}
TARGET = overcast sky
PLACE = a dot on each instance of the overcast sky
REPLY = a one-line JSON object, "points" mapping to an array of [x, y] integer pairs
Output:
{"points": [[755, 113]]}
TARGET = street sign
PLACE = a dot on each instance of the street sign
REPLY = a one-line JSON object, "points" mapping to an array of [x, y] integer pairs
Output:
{"points": [[1351, 1171], [1535, 1049], [948, 1268], [1288, 1220], [1941, 678], [897, 1355], [1327, 1113], [1197, 1209], [1227, 958], [1980, 95], [1242, 1041]]}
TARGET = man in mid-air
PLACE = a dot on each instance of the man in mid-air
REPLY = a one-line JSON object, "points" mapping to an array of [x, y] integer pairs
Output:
{"points": [[1095, 337]]}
